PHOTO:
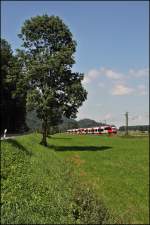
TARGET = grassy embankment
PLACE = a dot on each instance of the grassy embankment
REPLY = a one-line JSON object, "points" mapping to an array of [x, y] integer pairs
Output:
{"points": [[38, 185]]}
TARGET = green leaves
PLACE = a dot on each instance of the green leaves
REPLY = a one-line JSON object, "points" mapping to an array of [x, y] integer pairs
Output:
{"points": [[47, 59], [13, 90], [47, 31]]}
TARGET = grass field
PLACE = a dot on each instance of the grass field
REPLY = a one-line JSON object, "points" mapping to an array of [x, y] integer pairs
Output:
{"points": [[117, 167]]}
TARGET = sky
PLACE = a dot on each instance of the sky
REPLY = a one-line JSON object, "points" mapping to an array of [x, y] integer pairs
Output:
{"points": [[112, 51]]}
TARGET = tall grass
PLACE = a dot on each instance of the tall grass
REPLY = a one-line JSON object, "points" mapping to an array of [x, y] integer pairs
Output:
{"points": [[40, 187]]}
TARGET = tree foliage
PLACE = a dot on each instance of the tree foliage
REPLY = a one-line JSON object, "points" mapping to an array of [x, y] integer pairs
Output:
{"points": [[12, 106], [53, 89]]}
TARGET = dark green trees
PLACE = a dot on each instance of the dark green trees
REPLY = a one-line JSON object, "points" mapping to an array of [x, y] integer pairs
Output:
{"points": [[53, 89], [12, 107]]}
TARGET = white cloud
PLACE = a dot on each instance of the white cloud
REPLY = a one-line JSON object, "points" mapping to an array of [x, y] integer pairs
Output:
{"points": [[102, 72], [139, 72], [112, 74], [93, 74], [119, 81], [121, 89], [141, 89]]}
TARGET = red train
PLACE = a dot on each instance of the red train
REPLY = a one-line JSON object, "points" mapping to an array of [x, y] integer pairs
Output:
{"points": [[94, 130]]}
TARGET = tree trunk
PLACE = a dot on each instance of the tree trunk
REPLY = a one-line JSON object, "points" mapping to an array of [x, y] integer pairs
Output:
{"points": [[48, 133], [44, 129]]}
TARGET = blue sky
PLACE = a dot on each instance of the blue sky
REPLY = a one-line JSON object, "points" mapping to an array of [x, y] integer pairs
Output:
{"points": [[112, 51]]}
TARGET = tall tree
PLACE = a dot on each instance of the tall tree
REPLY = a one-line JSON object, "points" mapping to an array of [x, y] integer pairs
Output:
{"points": [[53, 89], [12, 107]]}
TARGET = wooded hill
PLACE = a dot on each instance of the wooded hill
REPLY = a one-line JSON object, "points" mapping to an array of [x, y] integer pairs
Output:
{"points": [[35, 124]]}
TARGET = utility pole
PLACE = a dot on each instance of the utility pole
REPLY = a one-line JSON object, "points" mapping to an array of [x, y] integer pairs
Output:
{"points": [[126, 130]]}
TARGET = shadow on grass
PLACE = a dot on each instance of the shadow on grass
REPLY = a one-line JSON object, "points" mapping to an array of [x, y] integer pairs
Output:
{"points": [[82, 148], [48, 146], [16, 144], [51, 137]]}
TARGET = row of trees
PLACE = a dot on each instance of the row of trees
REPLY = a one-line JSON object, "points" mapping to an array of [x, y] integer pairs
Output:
{"points": [[135, 128], [12, 106], [41, 73]]}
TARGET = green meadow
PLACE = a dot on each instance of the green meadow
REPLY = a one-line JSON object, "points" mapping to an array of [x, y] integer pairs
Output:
{"points": [[118, 167], [39, 184]]}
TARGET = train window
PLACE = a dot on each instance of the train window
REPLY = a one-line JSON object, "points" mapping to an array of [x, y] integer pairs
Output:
{"points": [[108, 128]]}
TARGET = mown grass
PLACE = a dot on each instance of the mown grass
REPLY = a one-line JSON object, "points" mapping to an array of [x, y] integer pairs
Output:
{"points": [[38, 186], [117, 166]]}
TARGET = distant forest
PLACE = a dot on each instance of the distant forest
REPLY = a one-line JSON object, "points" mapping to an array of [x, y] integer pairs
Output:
{"points": [[135, 128], [35, 124]]}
